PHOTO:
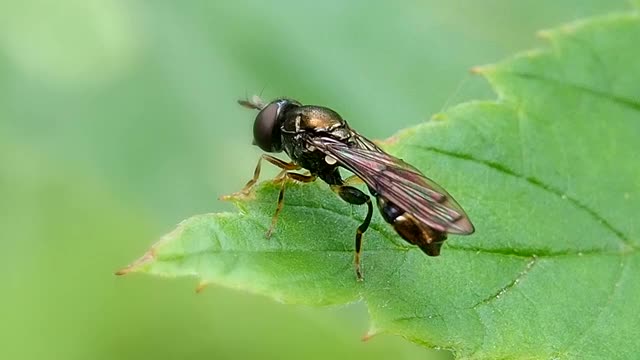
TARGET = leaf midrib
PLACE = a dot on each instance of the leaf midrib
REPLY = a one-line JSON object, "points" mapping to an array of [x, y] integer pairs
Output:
{"points": [[617, 99], [623, 238]]}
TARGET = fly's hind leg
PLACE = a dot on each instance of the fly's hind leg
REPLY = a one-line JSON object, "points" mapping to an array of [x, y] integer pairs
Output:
{"points": [[286, 176], [355, 196], [353, 180]]}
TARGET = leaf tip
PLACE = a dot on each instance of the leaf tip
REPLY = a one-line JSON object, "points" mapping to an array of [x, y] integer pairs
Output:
{"points": [[370, 334], [201, 286], [136, 266], [388, 141], [544, 34], [482, 69], [439, 117]]}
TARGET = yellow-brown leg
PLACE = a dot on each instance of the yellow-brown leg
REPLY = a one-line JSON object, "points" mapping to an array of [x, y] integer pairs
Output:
{"points": [[353, 180], [285, 166], [286, 176]]}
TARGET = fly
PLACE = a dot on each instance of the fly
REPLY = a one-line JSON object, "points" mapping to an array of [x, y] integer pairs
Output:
{"points": [[317, 139]]}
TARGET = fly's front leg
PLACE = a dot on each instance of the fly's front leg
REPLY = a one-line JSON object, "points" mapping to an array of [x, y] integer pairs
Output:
{"points": [[285, 166], [355, 196], [286, 176]]}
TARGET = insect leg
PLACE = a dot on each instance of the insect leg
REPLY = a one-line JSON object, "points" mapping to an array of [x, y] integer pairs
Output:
{"points": [[353, 180], [288, 175], [355, 196], [256, 173]]}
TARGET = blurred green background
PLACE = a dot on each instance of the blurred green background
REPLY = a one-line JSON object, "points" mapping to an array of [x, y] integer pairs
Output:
{"points": [[118, 119]]}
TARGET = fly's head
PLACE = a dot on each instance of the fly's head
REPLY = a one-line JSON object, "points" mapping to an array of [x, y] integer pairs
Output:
{"points": [[267, 129]]}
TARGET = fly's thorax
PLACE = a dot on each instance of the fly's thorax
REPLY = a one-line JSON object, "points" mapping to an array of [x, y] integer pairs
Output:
{"points": [[303, 123], [294, 145], [316, 120], [308, 157]]}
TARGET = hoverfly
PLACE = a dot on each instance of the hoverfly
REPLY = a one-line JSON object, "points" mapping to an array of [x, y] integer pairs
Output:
{"points": [[317, 139]]}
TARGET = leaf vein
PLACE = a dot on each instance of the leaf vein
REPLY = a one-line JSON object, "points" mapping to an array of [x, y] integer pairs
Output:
{"points": [[527, 253], [537, 183], [210, 251], [618, 99], [624, 262], [512, 284]]}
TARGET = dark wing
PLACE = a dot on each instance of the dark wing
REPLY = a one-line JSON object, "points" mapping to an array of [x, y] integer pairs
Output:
{"points": [[399, 182], [364, 143]]}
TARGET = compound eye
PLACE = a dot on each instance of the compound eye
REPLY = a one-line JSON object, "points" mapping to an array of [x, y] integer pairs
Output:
{"points": [[266, 130]]}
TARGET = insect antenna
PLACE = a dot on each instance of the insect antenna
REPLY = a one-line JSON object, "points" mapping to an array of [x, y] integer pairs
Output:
{"points": [[254, 103]]}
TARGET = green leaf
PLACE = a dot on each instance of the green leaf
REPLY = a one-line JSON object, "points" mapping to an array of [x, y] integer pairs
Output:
{"points": [[550, 175]]}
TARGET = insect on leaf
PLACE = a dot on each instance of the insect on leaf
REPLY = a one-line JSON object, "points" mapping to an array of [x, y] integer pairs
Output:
{"points": [[550, 175]]}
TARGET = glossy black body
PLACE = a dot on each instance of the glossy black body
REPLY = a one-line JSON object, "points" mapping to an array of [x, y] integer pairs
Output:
{"points": [[318, 139], [303, 122]]}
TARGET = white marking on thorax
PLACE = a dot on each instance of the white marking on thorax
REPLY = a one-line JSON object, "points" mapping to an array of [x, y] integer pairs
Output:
{"points": [[298, 123], [330, 160]]}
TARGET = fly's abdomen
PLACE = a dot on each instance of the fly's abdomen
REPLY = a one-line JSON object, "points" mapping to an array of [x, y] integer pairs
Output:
{"points": [[410, 229]]}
